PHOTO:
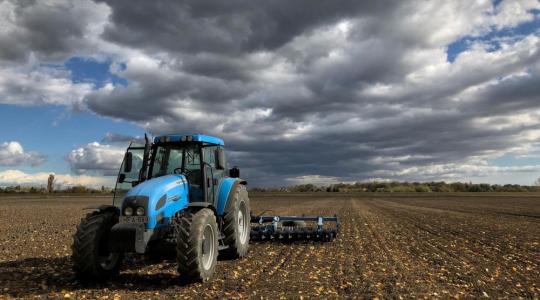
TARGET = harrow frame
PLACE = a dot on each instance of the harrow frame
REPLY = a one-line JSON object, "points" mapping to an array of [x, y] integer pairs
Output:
{"points": [[264, 228]]}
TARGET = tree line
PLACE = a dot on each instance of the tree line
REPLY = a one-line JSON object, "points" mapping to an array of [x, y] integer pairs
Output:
{"points": [[405, 187], [76, 189], [52, 188], [371, 187]]}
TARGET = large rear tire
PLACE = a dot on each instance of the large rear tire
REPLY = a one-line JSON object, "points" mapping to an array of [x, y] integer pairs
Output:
{"points": [[236, 222], [196, 244], [92, 259]]}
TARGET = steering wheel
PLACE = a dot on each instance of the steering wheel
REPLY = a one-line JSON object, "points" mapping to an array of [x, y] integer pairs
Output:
{"points": [[186, 172]]}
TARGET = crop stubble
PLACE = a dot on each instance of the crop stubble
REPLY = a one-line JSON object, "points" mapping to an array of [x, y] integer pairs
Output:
{"points": [[389, 246]]}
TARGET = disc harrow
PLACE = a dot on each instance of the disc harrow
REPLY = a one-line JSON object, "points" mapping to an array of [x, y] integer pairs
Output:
{"points": [[294, 228]]}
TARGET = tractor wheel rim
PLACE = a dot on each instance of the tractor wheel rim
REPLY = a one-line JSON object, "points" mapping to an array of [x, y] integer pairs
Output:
{"points": [[208, 247], [242, 222]]}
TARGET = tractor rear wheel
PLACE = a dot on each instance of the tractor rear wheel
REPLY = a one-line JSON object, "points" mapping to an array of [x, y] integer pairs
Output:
{"points": [[236, 222], [196, 244], [92, 259]]}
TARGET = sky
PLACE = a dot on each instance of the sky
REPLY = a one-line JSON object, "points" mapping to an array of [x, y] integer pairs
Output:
{"points": [[301, 91]]}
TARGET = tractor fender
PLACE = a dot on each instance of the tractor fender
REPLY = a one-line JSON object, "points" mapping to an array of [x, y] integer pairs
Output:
{"points": [[104, 208], [225, 188]]}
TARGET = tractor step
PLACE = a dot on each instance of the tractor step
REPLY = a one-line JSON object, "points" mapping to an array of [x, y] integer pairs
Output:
{"points": [[221, 243], [294, 228]]}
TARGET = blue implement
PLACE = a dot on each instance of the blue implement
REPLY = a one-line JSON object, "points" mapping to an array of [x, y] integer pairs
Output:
{"points": [[294, 228]]}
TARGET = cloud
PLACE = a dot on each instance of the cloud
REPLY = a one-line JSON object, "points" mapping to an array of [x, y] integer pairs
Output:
{"points": [[16, 177], [111, 137], [338, 93], [12, 154], [456, 171], [42, 86], [317, 180], [48, 31], [96, 158], [232, 28], [349, 90]]}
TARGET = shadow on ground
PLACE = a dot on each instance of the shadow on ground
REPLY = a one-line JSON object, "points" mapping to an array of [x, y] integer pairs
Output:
{"points": [[34, 276]]}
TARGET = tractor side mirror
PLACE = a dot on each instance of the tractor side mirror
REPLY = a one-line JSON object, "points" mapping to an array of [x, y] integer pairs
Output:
{"points": [[234, 172], [128, 162], [220, 157], [121, 177]]}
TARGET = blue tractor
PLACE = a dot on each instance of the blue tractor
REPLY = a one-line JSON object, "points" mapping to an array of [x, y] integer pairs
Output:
{"points": [[177, 192]]}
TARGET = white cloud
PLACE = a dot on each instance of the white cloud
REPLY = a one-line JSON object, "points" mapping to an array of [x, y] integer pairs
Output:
{"points": [[27, 85], [457, 171], [511, 13], [317, 180], [96, 158], [13, 154], [16, 177]]}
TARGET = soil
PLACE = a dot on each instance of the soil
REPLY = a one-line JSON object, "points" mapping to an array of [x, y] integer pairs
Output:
{"points": [[389, 246]]}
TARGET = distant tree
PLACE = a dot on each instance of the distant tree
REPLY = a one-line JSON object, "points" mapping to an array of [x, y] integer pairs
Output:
{"points": [[50, 183], [537, 182], [79, 189]]}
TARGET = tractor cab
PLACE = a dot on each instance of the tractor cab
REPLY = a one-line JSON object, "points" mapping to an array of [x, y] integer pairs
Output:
{"points": [[200, 158]]}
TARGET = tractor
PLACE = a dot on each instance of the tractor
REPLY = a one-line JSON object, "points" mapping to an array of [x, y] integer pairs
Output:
{"points": [[176, 192]]}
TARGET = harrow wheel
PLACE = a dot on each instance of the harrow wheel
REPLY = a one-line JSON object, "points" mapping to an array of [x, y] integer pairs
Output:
{"points": [[236, 222], [196, 244], [92, 259]]}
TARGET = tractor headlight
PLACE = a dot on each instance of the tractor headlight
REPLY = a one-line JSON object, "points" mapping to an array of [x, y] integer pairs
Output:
{"points": [[128, 211], [140, 211]]}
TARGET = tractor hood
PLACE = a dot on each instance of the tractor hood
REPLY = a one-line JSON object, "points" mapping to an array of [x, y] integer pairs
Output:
{"points": [[161, 197]]}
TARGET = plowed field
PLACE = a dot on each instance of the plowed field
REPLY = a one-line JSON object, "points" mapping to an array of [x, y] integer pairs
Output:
{"points": [[406, 246]]}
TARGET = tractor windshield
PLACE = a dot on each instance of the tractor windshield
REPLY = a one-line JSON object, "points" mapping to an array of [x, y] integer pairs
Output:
{"points": [[177, 159]]}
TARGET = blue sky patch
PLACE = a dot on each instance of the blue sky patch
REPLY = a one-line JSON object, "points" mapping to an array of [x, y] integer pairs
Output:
{"points": [[508, 160], [88, 70], [493, 37], [54, 131]]}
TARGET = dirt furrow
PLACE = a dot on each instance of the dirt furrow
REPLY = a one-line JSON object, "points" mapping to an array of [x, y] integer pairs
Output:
{"points": [[475, 266]]}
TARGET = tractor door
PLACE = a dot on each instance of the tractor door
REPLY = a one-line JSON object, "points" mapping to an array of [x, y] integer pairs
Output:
{"points": [[212, 174], [128, 175]]}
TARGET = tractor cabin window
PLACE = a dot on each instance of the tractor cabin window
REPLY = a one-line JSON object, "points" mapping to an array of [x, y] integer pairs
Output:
{"points": [[169, 160]]}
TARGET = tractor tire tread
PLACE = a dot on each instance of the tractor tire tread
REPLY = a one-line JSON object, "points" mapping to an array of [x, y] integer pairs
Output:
{"points": [[186, 225], [83, 248], [230, 222]]}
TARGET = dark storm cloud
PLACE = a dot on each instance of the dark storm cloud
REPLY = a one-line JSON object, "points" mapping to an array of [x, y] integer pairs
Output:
{"points": [[50, 31], [350, 90], [231, 27], [333, 90]]}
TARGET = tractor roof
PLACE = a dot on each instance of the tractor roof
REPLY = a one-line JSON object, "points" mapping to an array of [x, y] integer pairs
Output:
{"points": [[190, 137]]}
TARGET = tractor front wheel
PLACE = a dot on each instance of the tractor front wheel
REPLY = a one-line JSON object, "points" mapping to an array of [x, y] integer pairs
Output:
{"points": [[92, 259], [196, 244]]}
